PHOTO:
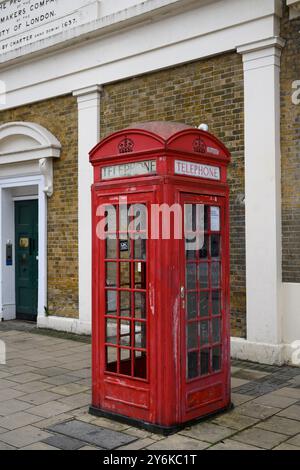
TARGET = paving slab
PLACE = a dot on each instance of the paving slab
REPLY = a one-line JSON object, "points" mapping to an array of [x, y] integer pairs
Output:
{"points": [[77, 401], [288, 392], [91, 434], [290, 427], [178, 442], [9, 407], [40, 398], [294, 441], [239, 399], [60, 380], [50, 409], [238, 382], [9, 394], [277, 401], [292, 412], [39, 446], [23, 437], [260, 438], [249, 374], [4, 446], [235, 420], [208, 432], [27, 377], [230, 444], [137, 445], [18, 420], [257, 411], [109, 424], [285, 446], [70, 389], [32, 387], [64, 442]]}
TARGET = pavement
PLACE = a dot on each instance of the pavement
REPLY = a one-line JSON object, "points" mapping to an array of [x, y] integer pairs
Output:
{"points": [[45, 395]]}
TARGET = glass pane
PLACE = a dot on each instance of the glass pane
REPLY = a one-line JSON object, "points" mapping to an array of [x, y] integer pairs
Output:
{"points": [[216, 302], [125, 364], [111, 248], [204, 333], [215, 246], [215, 219], [124, 218], [140, 366], [215, 274], [111, 359], [140, 305], [204, 252], [111, 331], [204, 361], [206, 218], [192, 365], [125, 304], [203, 275], [140, 249], [111, 274], [191, 255], [125, 248], [140, 335], [111, 220], [192, 335], [125, 333], [217, 359], [216, 330], [111, 302], [125, 280], [139, 218], [204, 304], [191, 305], [140, 275], [191, 276]]}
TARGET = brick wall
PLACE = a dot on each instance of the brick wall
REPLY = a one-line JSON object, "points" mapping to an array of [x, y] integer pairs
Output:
{"points": [[208, 91], [59, 116], [290, 147]]}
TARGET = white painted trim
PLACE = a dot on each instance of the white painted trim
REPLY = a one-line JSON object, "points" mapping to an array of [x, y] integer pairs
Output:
{"points": [[67, 325], [25, 198], [263, 193], [19, 182], [206, 30], [263, 353], [38, 143], [88, 136]]}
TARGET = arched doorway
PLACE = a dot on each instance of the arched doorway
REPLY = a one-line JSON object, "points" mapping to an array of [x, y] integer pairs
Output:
{"points": [[26, 181]]}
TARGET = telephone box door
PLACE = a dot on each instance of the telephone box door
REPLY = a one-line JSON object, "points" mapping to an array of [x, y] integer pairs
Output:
{"points": [[123, 325], [204, 308]]}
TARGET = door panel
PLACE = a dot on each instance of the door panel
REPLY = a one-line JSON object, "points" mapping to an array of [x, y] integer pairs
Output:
{"points": [[125, 324], [26, 241], [204, 315]]}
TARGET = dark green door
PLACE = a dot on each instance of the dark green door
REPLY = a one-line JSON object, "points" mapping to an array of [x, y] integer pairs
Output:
{"points": [[26, 226]]}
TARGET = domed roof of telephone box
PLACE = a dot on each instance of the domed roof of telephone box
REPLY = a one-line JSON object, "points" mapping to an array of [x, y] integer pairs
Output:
{"points": [[164, 129], [159, 137]]}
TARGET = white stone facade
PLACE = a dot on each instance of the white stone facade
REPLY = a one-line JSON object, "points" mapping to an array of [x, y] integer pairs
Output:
{"points": [[112, 41]]}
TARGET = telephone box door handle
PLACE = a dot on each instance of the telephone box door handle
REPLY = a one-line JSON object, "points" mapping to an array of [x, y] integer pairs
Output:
{"points": [[182, 292]]}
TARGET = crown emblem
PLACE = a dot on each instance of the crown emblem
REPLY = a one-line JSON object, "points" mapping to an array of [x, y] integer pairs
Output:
{"points": [[199, 145], [126, 146]]}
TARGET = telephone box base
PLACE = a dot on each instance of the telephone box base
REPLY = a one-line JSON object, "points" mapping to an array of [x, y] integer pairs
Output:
{"points": [[154, 428]]}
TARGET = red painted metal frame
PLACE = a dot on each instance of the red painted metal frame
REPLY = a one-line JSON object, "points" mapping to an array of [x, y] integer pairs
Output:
{"points": [[162, 402]]}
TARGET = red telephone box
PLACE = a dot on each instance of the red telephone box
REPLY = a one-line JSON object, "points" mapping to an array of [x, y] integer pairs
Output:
{"points": [[161, 337]]}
